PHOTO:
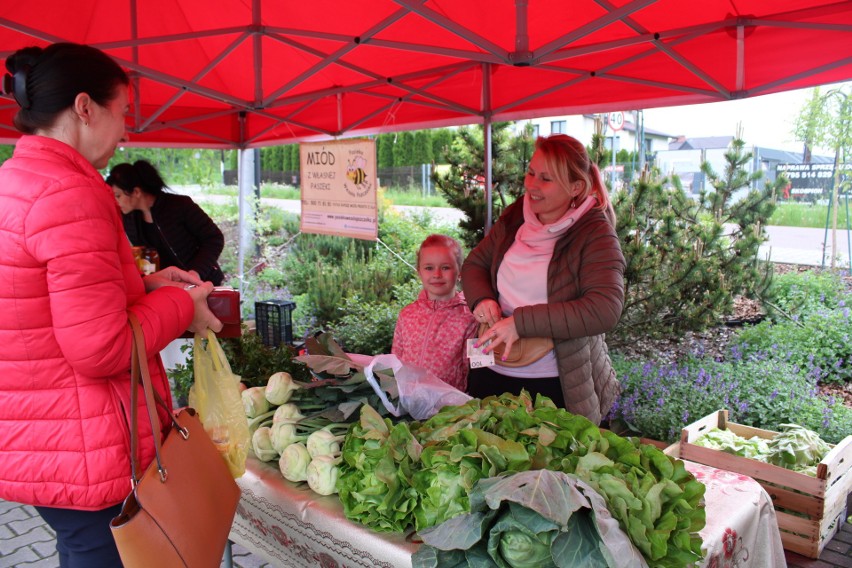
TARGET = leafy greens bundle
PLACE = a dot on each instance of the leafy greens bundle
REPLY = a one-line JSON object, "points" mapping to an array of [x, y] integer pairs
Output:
{"points": [[425, 474]]}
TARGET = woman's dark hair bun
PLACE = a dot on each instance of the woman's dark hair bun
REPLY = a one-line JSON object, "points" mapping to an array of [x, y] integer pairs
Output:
{"points": [[23, 59]]}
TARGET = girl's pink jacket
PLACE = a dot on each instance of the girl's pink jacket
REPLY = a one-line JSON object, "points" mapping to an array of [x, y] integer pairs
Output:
{"points": [[67, 283], [432, 333]]}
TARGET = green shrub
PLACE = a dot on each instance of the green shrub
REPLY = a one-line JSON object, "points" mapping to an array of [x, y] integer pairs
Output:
{"points": [[657, 401], [367, 327], [796, 293], [810, 327], [818, 340]]}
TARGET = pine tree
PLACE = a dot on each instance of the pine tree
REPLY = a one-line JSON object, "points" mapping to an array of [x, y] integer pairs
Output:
{"points": [[463, 184], [688, 258]]}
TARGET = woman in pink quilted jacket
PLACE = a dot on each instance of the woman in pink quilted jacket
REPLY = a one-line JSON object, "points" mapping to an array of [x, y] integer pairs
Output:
{"points": [[68, 281]]}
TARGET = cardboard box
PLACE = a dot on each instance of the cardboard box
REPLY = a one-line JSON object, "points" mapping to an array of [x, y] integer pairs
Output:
{"points": [[810, 510]]}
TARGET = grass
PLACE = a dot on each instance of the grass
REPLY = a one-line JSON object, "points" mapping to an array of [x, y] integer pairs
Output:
{"points": [[807, 215]]}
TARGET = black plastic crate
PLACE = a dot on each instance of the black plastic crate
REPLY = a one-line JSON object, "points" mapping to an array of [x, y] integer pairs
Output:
{"points": [[274, 321]]}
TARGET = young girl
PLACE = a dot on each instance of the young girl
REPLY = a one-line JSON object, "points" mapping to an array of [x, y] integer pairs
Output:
{"points": [[431, 332]]}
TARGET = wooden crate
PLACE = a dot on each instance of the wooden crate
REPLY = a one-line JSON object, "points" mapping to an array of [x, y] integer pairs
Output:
{"points": [[810, 510]]}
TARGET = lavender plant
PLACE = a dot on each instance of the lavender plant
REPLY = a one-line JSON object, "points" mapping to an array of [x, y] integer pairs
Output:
{"points": [[814, 332], [658, 400]]}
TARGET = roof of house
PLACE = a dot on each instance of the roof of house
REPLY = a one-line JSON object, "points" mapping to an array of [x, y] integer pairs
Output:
{"points": [[706, 143], [783, 156]]}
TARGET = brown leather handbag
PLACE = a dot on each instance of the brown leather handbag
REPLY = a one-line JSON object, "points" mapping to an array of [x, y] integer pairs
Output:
{"points": [[524, 351], [179, 512]]}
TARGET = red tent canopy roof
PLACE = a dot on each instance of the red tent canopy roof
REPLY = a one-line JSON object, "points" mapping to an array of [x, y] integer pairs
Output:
{"points": [[238, 73]]}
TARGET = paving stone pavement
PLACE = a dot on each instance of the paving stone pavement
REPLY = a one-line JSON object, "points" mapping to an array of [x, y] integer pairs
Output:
{"points": [[27, 542]]}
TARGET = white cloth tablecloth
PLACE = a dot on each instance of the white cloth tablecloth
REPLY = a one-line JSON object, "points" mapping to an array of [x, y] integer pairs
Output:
{"points": [[290, 525]]}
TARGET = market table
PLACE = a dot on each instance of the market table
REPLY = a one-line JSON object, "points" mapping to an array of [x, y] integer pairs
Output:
{"points": [[290, 525]]}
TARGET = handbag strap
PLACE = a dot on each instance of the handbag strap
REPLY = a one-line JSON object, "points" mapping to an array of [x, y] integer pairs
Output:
{"points": [[139, 373]]}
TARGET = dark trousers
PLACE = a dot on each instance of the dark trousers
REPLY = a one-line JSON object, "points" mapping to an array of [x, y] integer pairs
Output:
{"points": [[83, 538], [484, 382]]}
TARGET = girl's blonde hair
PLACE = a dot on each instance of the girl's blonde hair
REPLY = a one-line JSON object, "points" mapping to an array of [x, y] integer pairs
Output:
{"points": [[567, 161], [450, 243]]}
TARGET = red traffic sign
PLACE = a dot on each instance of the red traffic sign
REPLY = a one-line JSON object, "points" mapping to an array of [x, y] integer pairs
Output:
{"points": [[616, 120]]}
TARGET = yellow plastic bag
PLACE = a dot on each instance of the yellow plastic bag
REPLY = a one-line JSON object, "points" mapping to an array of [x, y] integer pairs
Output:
{"points": [[216, 396]]}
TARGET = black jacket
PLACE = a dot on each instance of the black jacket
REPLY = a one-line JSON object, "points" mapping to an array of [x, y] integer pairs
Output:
{"points": [[182, 233]]}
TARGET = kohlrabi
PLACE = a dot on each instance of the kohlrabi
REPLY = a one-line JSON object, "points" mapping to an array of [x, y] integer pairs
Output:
{"points": [[294, 462], [287, 413], [322, 474], [324, 443], [283, 435], [279, 388], [254, 401], [261, 443]]}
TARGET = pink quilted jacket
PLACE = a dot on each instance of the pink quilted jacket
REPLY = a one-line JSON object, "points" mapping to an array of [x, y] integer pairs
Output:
{"points": [[431, 334], [67, 283]]}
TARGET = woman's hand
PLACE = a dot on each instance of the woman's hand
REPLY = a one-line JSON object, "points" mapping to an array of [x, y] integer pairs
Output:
{"points": [[504, 331], [203, 317], [171, 276], [488, 311]]}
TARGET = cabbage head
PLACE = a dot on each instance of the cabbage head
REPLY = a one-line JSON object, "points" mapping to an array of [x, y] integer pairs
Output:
{"points": [[540, 519]]}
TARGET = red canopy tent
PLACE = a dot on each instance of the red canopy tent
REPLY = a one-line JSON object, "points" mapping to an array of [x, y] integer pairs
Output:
{"points": [[240, 73]]}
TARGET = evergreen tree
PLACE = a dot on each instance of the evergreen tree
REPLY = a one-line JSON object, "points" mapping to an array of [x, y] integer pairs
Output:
{"points": [[385, 150], [442, 138], [463, 184], [277, 162], [266, 158], [295, 165], [422, 148], [403, 150], [687, 258], [286, 151]]}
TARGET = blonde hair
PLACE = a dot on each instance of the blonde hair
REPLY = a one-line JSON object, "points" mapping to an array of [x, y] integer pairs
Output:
{"points": [[436, 240], [567, 161]]}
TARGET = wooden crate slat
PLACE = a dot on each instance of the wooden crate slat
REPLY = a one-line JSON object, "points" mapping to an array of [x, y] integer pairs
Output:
{"points": [[753, 468], [807, 528], [783, 498], [838, 461], [801, 545]]}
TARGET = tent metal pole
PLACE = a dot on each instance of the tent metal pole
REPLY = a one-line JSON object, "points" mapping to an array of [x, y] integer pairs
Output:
{"points": [[486, 131], [245, 175]]}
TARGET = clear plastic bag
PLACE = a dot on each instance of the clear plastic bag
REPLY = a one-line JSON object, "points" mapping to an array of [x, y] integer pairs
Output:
{"points": [[215, 395], [421, 394]]}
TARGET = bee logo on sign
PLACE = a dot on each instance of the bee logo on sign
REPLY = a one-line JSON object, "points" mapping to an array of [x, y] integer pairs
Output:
{"points": [[616, 121]]}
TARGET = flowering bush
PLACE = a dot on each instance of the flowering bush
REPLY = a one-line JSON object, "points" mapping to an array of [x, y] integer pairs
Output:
{"points": [[819, 340], [658, 400], [815, 332], [796, 293]]}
